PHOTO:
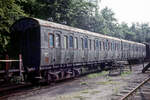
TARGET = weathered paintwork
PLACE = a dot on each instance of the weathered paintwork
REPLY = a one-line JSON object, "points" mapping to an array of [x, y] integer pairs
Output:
{"points": [[102, 48]]}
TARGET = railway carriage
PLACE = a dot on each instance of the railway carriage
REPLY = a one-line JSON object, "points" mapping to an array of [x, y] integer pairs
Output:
{"points": [[56, 51]]}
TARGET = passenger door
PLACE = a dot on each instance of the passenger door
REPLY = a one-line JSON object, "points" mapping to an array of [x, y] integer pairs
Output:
{"points": [[76, 49], [97, 50], [86, 49], [82, 49], [57, 51], [65, 50], [71, 48]]}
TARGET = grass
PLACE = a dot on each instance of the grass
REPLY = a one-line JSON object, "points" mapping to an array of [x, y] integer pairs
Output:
{"points": [[125, 73], [116, 90], [79, 97], [94, 92], [103, 83], [107, 81], [64, 98], [83, 83], [85, 91], [103, 73]]}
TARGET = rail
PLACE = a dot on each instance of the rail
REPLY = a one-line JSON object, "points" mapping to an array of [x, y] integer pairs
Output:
{"points": [[7, 61], [126, 97]]}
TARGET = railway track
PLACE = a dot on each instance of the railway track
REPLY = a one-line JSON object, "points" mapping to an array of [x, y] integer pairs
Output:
{"points": [[123, 95], [137, 90], [7, 90], [29, 89]]}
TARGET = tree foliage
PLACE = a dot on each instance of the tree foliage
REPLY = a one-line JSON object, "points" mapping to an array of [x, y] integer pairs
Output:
{"points": [[76, 13], [9, 12]]}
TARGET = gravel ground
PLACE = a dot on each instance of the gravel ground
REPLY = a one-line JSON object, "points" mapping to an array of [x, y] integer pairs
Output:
{"points": [[98, 86]]}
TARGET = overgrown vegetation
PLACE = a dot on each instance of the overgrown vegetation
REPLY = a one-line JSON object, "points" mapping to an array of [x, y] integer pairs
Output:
{"points": [[84, 83], [85, 91], [76, 13], [125, 73], [103, 73]]}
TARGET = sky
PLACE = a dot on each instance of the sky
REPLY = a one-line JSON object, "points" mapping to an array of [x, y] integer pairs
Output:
{"points": [[129, 11]]}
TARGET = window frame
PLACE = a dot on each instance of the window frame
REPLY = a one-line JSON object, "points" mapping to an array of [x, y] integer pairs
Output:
{"points": [[94, 44], [100, 45], [111, 46], [97, 44], [71, 44], [108, 46], [90, 44], [58, 40], [104, 45], [65, 39], [82, 43], [76, 43], [86, 43], [49, 44]]}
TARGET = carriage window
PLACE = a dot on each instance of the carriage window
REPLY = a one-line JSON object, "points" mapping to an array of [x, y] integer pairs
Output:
{"points": [[100, 45], [82, 43], [115, 46], [111, 46], [86, 43], [71, 41], [108, 46], [96, 43], [57, 40], [90, 44], [119, 46], [104, 46], [65, 42], [76, 43], [51, 40]]}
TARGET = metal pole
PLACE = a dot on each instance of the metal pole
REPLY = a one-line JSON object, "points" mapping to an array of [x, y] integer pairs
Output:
{"points": [[7, 64], [20, 64]]}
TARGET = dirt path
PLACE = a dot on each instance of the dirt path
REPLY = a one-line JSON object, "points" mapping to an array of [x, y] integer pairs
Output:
{"points": [[98, 86]]}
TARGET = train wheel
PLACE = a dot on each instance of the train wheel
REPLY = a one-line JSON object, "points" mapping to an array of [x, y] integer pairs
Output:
{"points": [[77, 72]]}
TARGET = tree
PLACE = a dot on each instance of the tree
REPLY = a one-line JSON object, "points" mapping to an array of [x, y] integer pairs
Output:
{"points": [[109, 22], [9, 12]]}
